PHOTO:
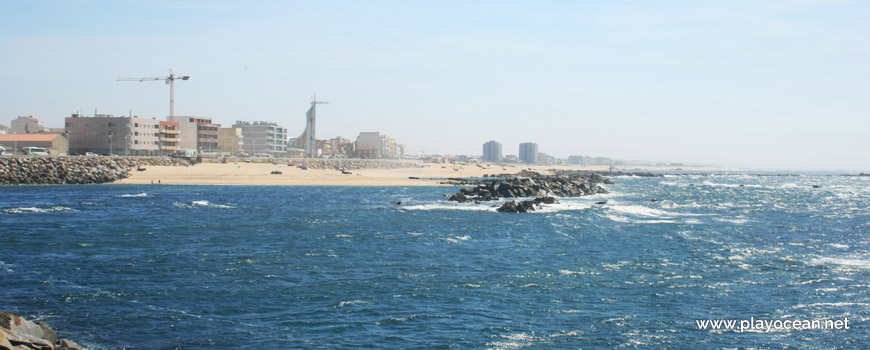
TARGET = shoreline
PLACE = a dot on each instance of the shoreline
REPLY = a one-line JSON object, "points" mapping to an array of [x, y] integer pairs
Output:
{"points": [[430, 174]]}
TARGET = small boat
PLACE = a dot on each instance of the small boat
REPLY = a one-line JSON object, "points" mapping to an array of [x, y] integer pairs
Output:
{"points": [[276, 172]]}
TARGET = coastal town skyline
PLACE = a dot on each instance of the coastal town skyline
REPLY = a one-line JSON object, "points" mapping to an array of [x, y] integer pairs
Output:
{"points": [[768, 85]]}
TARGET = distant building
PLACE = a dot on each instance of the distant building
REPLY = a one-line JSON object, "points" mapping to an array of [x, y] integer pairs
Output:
{"points": [[575, 160], [529, 152], [56, 144], [544, 158], [169, 137], [3, 129], [336, 147], [231, 140], [197, 133], [368, 145], [492, 152], [263, 137], [26, 125], [107, 134], [374, 145]]}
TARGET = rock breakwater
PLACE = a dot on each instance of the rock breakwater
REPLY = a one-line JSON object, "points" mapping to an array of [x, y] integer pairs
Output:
{"points": [[17, 333], [542, 187], [73, 170]]}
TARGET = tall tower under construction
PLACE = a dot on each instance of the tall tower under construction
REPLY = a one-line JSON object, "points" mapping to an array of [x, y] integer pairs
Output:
{"points": [[308, 141]]}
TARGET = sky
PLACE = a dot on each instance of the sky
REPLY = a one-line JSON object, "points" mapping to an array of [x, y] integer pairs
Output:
{"points": [[760, 84]]}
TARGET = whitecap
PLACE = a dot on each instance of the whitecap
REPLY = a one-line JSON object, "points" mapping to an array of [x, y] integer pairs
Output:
{"points": [[735, 221], [138, 195], [353, 302], [202, 204], [35, 210], [849, 262], [448, 206]]}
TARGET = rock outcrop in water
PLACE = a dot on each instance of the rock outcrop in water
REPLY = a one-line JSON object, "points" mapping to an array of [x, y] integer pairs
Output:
{"points": [[17, 333], [73, 170], [542, 187]]}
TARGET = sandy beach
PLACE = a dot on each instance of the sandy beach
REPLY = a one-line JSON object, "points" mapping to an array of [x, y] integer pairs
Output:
{"points": [[260, 174]]}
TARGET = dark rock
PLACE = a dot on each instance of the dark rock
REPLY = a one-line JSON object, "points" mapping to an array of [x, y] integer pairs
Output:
{"points": [[459, 197], [508, 207]]}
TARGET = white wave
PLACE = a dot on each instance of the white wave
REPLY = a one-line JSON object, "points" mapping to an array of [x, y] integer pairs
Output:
{"points": [[639, 221], [564, 205], [450, 206], [839, 304], [839, 246], [35, 210], [736, 221], [353, 302], [133, 195], [671, 205], [858, 263], [463, 238], [789, 185], [6, 267], [639, 210], [202, 204], [716, 184]]}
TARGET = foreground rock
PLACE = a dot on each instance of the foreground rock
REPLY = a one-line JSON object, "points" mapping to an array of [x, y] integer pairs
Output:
{"points": [[17, 333], [525, 206], [74, 170]]}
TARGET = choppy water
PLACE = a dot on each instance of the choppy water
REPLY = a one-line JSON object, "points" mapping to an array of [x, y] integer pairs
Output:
{"points": [[229, 267]]}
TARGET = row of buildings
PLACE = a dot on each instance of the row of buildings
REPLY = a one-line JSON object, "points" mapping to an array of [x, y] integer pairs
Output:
{"points": [[187, 135], [528, 153]]}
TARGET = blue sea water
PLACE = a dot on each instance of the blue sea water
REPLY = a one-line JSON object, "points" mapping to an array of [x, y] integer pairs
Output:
{"points": [[254, 267]]}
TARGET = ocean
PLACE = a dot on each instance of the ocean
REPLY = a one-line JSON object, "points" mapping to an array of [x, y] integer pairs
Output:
{"points": [[257, 267]]}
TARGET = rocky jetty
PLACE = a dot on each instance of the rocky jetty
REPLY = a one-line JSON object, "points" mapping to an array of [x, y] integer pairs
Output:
{"points": [[542, 187], [73, 170], [17, 333]]}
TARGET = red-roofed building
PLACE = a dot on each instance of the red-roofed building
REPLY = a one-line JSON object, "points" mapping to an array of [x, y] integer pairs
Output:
{"points": [[56, 144]]}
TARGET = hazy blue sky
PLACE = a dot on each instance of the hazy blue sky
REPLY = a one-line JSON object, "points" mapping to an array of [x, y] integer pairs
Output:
{"points": [[763, 84]]}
